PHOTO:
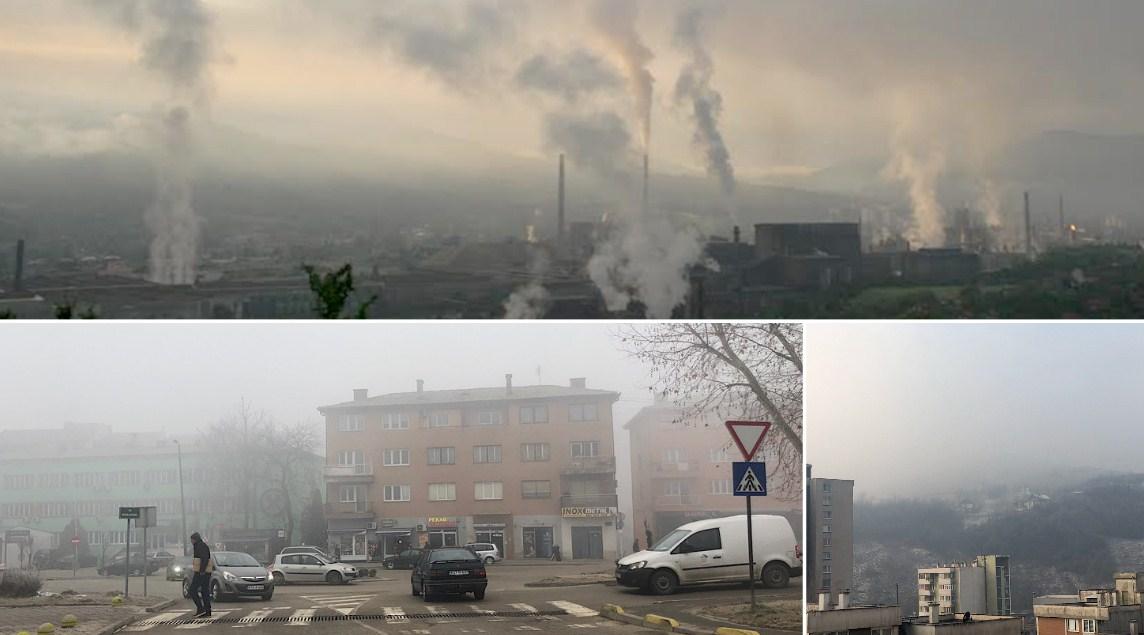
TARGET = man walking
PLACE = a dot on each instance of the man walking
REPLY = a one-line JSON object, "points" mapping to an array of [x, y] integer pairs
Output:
{"points": [[201, 568]]}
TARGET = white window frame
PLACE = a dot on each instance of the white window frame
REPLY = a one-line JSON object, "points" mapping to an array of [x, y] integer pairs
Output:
{"points": [[675, 455], [490, 418], [583, 412], [439, 419], [532, 412], [351, 457], [535, 491], [577, 449], [1089, 626], [450, 488], [721, 487], [676, 488], [343, 492], [395, 421], [451, 454], [486, 453], [718, 455], [390, 460], [1072, 625], [826, 555], [349, 423], [488, 490], [544, 453], [403, 493]]}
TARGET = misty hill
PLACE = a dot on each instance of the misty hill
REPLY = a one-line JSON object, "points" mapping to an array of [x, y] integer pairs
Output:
{"points": [[1059, 539]]}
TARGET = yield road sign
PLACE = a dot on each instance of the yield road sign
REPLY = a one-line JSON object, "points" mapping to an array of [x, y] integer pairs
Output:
{"points": [[749, 478], [748, 435]]}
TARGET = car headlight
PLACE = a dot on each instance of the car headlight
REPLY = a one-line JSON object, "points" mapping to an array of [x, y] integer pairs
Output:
{"points": [[178, 569], [638, 565], [228, 576]]}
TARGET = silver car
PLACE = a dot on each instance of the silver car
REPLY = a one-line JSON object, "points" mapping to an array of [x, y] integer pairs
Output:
{"points": [[310, 568], [487, 551], [236, 574]]}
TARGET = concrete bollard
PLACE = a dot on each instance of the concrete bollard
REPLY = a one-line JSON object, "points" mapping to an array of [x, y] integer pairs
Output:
{"points": [[727, 630], [69, 621], [117, 600], [660, 622], [46, 628], [611, 608]]}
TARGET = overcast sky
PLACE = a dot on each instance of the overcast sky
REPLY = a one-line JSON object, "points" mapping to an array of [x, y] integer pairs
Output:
{"points": [[914, 408], [803, 84]]}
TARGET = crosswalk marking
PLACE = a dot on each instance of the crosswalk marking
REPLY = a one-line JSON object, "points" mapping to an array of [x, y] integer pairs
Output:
{"points": [[301, 617], [151, 622], [582, 625], [204, 621], [574, 609], [524, 608], [253, 618], [478, 609], [344, 604], [394, 614]]}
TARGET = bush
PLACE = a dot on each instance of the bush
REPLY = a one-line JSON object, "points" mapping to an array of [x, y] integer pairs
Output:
{"points": [[18, 584]]}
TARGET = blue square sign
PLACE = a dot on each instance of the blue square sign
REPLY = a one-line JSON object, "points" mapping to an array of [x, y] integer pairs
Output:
{"points": [[749, 478]]}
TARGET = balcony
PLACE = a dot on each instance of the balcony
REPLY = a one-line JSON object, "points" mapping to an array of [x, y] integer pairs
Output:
{"points": [[593, 500], [590, 465], [666, 468], [677, 500], [356, 472], [360, 509]]}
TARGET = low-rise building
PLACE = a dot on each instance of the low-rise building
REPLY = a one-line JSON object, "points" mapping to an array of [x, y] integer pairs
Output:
{"points": [[934, 623], [1115, 610], [978, 587], [828, 618]]}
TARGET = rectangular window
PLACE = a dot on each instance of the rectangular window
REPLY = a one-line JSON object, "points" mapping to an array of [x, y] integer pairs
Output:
{"points": [[536, 489], [721, 487], [489, 418], [489, 491], [718, 455], [676, 488], [442, 456], [582, 412], [486, 454], [1089, 626], [826, 581], [826, 540], [395, 456], [439, 420], [585, 449], [395, 421], [534, 451], [675, 455], [349, 494], [826, 555], [825, 569], [349, 423], [1072, 625], [442, 491], [826, 514], [826, 500], [825, 490], [396, 493], [351, 457], [825, 530], [534, 414]]}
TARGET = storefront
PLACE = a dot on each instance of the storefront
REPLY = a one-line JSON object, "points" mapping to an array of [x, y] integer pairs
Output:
{"points": [[590, 532], [441, 531], [391, 541], [536, 542], [349, 539], [492, 529]]}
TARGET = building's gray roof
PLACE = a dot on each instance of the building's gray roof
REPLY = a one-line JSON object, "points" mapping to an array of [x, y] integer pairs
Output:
{"points": [[469, 395]]}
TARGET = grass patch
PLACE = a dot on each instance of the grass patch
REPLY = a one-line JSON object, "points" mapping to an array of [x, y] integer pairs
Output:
{"points": [[784, 615]]}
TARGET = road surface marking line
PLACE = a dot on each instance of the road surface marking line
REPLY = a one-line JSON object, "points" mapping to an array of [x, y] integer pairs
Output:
{"points": [[582, 626], [574, 609], [204, 621], [436, 609], [481, 611], [525, 628], [154, 621], [301, 617], [526, 608], [394, 614]]}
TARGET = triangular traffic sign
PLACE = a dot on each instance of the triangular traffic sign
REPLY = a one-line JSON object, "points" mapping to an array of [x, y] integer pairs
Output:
{"points": [[748, 435], [749, 482]]}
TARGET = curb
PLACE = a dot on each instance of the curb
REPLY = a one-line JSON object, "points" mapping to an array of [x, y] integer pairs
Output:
{"points": [[114, 626], [616, 613], [155, 608], [555, 585]]}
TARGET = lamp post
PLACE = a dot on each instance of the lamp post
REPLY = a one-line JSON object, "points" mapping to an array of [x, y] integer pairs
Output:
{"points": [[182, 499]]}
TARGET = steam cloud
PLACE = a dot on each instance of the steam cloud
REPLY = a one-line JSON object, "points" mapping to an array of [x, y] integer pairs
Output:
{"points": [[694, 87], [616, 22], [598, 141], [177, 45], [530, 302], [919, 165], [575, 75]]}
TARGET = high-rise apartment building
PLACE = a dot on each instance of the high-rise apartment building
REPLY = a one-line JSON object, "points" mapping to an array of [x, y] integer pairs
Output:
{"points": [[830, 535]]}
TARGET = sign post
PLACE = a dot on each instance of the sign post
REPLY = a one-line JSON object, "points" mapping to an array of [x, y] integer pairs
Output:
{"points": [[75, 555], [127, 513], [146, 519], [749, 478]]}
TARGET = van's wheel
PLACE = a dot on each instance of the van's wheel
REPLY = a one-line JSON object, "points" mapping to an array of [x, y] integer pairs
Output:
{"points": [[775, 575], [663, 582], [389, 564], [489, 560], [279, 578], [333, 578]]}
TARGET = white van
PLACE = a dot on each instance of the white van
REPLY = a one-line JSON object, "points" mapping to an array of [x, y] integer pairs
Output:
{"points": [[714, 550]]}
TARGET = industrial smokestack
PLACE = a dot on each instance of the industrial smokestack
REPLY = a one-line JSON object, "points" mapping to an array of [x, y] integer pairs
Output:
{"points": [[1061, 210], [1028, 227], [645, 201], [18, 279], [560, 201], [508, 383], [736, 234]]}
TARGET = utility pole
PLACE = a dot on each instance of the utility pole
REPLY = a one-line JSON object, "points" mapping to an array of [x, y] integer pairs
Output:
{"points": [[182, 498]]}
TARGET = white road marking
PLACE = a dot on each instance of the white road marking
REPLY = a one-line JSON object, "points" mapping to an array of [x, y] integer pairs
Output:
{"points": [[370, 628], [525, 628], [301, 617], [152, 622], [526, 608], [394, 614], [478, 609], [582, 625], [574, 609], [204, 621]]}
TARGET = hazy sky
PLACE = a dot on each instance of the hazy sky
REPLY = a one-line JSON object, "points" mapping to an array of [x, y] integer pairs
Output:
{"points": [[803, 84], [914, 408]]}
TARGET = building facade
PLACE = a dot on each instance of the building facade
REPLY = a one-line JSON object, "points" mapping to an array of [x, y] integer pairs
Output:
{"points": [[830, 535], [829, 618], [681, 472], [528, 468], [978, 587], [1093, 611]]}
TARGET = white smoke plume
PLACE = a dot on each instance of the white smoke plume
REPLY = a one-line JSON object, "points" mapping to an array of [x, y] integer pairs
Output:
{"points": [[694, 88], [916, 160], [646, 262], [530, 302], [177, 45], [616, 23]]}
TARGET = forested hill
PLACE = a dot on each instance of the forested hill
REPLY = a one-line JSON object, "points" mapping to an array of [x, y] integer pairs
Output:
{"points": [[1059, 540]]}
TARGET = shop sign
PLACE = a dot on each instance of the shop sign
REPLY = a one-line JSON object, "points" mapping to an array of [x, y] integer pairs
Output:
{"points": [[587, 512], [441, 521]]}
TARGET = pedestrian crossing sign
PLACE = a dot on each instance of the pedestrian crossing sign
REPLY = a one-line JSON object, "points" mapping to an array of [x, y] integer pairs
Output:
{"points": [[749, 478]]}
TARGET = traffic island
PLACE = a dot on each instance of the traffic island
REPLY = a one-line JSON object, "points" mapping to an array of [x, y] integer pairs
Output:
{"points": [[597, 577], [652, 621], [782, 615], [74, 613]]}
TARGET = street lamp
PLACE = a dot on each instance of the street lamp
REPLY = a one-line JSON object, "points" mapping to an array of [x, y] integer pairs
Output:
{"points": [[182, 499]]}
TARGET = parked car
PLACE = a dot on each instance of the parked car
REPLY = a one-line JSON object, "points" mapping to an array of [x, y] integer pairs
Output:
{"points": [[488, 552], [405, 560], [714, 550], [449, 570], [164, 558], [118, 563], [307, 567], [307, 549], [178, 568], [236, 574]]}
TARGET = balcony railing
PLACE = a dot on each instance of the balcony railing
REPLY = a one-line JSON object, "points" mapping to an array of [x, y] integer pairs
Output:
{"points": [[677, 499], [594, 500], [590, 465], [348, 471], [672, 467], [359, 508]]}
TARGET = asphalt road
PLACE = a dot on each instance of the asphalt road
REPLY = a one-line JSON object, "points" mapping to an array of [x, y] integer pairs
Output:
{"points": [[385, 606]]}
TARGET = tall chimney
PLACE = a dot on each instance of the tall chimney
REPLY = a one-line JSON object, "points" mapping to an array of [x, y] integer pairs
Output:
{"points": [[361, 394], [18, 279], [645, 179], [560, 201], [933, 613], [508, 383], [735, 233], [1028, 228], [420, 385]]}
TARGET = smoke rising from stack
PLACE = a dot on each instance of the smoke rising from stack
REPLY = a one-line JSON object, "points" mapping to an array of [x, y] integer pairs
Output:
{"points": [[598, 141], [530, 302], [570, 77], [693, 87], [918, 163], [616, 23]]}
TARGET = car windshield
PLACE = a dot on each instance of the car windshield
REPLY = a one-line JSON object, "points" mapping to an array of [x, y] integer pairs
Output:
{"points": [[452, 555], [669, 541], [181, 562], [231, 559]]}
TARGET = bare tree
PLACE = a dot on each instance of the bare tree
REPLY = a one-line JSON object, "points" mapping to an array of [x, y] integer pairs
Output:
{"points": [[732, 371]]}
